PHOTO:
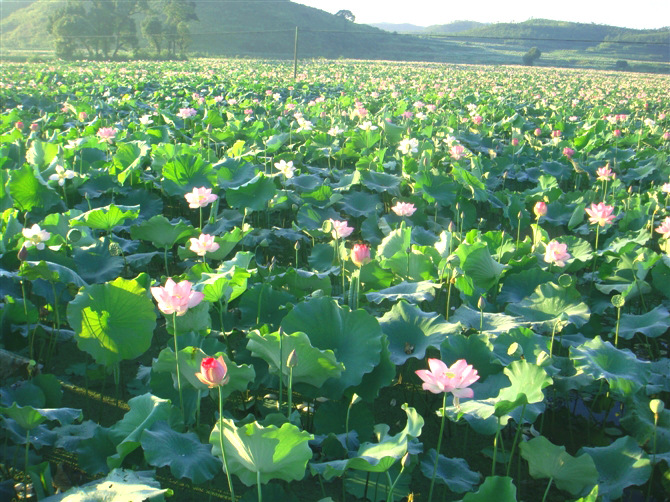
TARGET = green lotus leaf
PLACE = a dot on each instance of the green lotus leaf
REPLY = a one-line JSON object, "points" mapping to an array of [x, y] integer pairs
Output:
{"points": [[26, 416], [360, 203], [652, 324], [498, 488], [413, 266], [381, 182], [195, 319], [530, 343], [186, 456], [274, 143], [314, 366], [96, 265], [478, 265], [52, 272], [411, 331], [40, 154], [29, 190], [491, 323], [185, 172], [625, 373], [254, 194], [106, 218], [591, 497], [264, 304], [518, 286], [120, 484], [113, 321], [436, 188], [546, 460], [126, 434], [474, 348], [354, 337], [398, 241], [414, 292], [380, 377], [551, 306], [379, 456], [362, 485], [128, 157], [270, 452], [223, 286], [162, 232], [453, 472], [331, 417], [527, 381], [621, 464]]}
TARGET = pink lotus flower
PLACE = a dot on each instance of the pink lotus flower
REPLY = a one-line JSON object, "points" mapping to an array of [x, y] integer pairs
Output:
{"points": [[540, 209], [360, 254], [617, 133], [515, 142], [557, 253], [664, 228], [404, 209], [666, 187], [477, 119], [176, 297], [107, 134], [605, 173], [186, 113], [341, 230], [600, 214], [34, 127], [19, 125], [442, 378], [457, 152], [537, 132], [213, 372], [35, 237], [82, 116], [568, 152], [555, 134], [666, 135], [203, 244], [200, 197]]}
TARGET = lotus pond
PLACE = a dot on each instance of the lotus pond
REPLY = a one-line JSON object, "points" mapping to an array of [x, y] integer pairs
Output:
{"points": [[219, 282]]}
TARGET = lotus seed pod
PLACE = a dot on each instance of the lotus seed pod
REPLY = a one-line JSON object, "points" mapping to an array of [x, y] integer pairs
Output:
{"points": [[656, 406]]}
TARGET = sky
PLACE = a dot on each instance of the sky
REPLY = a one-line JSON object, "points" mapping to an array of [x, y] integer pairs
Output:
{"points": [[638, 14]]}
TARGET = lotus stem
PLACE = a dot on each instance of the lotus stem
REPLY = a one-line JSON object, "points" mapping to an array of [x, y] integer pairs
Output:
{"points": [[516, 439], [495, 449], [616, 333], [439, 445], [176, 357], [281, 370], [258, 484], [546, 492], [223, 452], [290, 393], [25, 476]]}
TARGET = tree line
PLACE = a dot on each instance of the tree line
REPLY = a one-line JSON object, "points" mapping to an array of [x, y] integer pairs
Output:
{"points": [[103, 28]]}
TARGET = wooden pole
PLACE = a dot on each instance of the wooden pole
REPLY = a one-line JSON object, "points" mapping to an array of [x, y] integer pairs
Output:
{"points": [[295, 55]]}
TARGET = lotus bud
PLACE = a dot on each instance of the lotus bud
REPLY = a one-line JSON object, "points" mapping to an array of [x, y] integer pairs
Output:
{"points": [[656, 406], [292, 360]]}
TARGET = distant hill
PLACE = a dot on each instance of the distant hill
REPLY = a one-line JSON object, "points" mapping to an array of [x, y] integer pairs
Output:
{"points": [[251, 28], [400, 28], [9, 6], [455, 27]]}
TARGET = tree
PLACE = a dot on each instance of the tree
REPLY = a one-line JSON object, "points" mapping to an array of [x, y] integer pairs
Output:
{"points": [[531, 56], [346, 14], [152, 29]]}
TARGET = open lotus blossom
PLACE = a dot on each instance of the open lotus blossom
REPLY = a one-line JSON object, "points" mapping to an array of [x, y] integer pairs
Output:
{"points": [[540, 209], [360, 254], [600, 214], [457, 152], [203, 244], [176, 297], [187, 113], [213, 372], [200, 197], [106, 134], [341, 230], [35, 236], [605, 173], [568, 152], [557, 253], [285, 168], [62, 175], [666, 187], [408, 145], [404, 209], [455, 378], [367, 126], [664, 228]]}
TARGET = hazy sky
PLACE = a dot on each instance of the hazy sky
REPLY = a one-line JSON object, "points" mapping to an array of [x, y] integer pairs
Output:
{"points": [[637, 14]]}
